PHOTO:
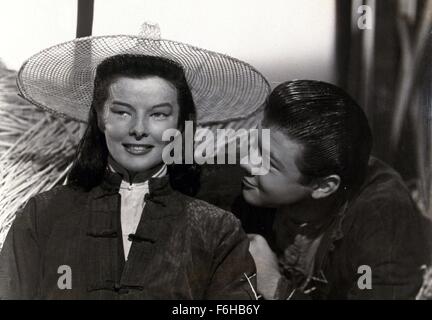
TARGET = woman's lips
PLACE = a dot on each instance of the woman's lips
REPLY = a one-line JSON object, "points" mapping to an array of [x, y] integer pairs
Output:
{"points": [[138, 149]]}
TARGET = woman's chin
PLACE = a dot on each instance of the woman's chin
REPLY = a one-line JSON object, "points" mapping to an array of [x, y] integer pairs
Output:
{"points": [[142, 168], [146, 163]]}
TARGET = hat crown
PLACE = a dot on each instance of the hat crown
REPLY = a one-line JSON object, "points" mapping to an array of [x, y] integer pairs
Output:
{"points": [[226, 91]]}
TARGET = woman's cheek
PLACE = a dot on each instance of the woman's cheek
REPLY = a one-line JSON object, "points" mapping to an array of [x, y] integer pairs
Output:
{"points": [[157, 128], [116, 130]]}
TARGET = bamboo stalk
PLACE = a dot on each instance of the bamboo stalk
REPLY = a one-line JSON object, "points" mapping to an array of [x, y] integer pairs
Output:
{"points": [[412, 52]]}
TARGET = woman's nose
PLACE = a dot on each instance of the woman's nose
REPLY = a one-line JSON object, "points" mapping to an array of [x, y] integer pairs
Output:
{"points": [[138, 130]]}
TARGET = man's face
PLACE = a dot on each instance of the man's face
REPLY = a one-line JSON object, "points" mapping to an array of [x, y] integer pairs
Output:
{"points": [[280, 186], [134, 117]]}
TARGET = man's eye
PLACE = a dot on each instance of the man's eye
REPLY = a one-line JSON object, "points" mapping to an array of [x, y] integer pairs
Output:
{"points": [[159, 115]]}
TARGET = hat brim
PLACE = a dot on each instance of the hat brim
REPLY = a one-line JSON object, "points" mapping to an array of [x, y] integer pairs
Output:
{"points": [[60, 79]]}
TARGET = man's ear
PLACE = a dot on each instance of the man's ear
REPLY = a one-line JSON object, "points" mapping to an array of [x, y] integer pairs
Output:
{"points": [[325, 186]]}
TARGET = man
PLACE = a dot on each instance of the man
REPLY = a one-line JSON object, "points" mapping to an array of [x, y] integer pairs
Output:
{"points": [[344, 225]]}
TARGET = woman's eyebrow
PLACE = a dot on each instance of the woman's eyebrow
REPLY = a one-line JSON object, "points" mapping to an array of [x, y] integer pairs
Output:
{"points": [[161, 105], [120, 103]]}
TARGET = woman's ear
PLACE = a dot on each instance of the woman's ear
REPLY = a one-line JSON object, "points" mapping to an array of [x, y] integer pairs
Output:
{"points": [[326, 186]]}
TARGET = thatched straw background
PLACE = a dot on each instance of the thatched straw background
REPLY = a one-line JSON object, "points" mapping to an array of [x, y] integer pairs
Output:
{"points": [[35, 150]]}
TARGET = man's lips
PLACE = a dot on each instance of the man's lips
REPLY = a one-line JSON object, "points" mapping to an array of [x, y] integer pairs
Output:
{"points": [[138, 149], [247, 184]]}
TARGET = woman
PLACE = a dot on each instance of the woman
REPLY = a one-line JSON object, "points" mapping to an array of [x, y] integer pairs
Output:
{"points": [[123, 227]]}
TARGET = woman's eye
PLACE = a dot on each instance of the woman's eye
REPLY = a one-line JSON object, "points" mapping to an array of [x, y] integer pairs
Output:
{"points": [[121, 113], [159, 115]]}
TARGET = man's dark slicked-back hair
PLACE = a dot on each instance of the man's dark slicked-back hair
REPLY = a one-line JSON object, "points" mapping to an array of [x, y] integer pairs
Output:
{"points": [[329, 125]]}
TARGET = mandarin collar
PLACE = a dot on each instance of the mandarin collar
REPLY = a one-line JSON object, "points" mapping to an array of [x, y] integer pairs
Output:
{"points": [[138, 177], [157, 185]]}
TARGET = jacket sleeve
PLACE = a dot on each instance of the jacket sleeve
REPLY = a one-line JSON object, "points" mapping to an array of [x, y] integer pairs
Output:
{"points": [[389, 251], [234, 273], [19, 257]]}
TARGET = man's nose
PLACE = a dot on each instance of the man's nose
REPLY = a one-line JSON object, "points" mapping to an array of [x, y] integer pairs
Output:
{"points": [[246, 166], [138, 129]]}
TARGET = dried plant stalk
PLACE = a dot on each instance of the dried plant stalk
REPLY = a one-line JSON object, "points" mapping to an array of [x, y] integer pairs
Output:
{"points": [[36, 150], [425, 292]]}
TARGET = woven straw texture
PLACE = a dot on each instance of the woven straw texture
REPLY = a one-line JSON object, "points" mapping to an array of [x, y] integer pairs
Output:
{"points": [[36, 150], [225, 90]]}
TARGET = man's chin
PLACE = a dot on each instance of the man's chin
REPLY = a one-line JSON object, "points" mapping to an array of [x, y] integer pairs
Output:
{"points": [[252, 197]]}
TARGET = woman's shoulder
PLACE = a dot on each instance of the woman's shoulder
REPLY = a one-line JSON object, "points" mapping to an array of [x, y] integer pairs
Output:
{"points": [[60, 194], [44, 209], [206, 214], [217, 228], [207, 210], [58, 201]]}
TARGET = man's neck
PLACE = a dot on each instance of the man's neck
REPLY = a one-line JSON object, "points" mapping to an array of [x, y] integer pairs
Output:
{"points": [[310, 211]]}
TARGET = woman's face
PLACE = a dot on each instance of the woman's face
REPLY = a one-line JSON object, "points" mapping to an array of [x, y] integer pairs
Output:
{"points": [[134, 117]]}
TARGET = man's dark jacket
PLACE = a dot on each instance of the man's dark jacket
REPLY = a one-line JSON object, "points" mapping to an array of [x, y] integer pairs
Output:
{"points": [[380, 231]]}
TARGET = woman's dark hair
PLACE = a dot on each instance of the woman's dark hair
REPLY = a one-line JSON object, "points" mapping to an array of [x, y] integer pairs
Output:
{"points": [[329, 125], [91, 158]]}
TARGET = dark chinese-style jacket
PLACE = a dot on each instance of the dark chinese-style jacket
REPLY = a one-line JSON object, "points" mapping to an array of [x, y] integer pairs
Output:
{"points": [[183, 248]]}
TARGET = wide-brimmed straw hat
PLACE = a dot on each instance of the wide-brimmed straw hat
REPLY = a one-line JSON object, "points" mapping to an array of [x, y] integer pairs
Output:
{"points": [[227, 92]]}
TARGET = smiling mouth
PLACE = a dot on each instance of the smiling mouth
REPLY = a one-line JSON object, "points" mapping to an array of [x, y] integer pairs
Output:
{"points": [[246, 184], [138, 149]]}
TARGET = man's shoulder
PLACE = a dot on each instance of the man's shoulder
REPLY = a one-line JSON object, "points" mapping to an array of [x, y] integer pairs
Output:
{"points": [[384, 215], [383, 207], [383, 191]]}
